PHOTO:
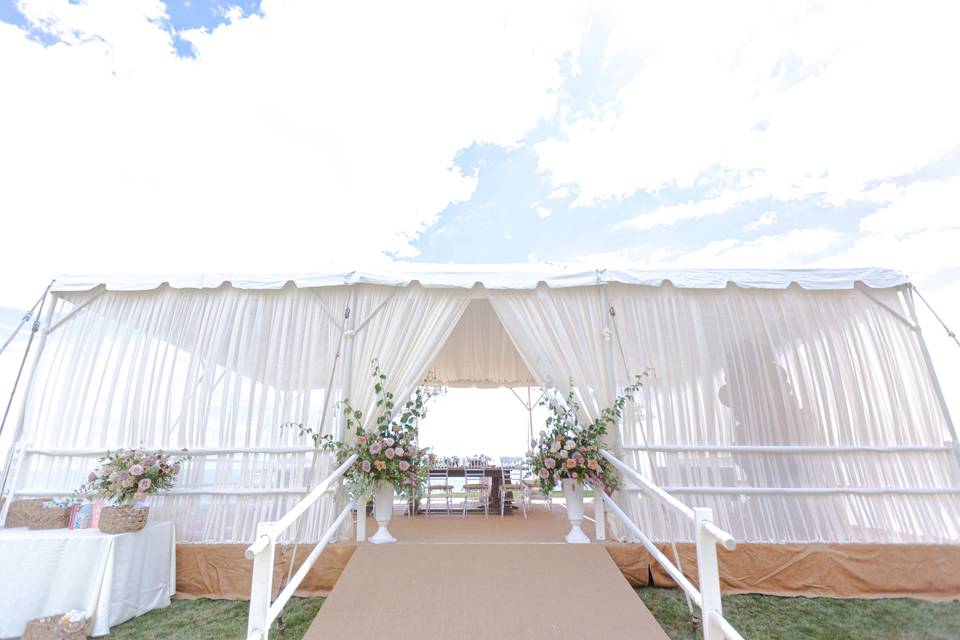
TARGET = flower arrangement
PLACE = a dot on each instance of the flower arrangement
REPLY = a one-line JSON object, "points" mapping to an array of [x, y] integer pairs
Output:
{"points": [[125, 476], [387, 453], [567, 449]]}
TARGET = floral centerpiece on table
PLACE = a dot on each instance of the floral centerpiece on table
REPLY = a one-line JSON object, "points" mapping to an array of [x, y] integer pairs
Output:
{"points": [[386, 453], [568, 449], [127, 476]]}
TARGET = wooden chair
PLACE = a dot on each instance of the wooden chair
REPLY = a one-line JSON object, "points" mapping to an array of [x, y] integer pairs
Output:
{"points": [[511, 481]]}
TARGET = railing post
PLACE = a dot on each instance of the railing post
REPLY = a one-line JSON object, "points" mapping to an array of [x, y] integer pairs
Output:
{"points": [[261, 587], [600, 514], [362, 519], [708, 571]]}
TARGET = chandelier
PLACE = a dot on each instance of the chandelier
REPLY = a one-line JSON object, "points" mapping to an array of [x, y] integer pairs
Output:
{"points": [[432, 385]]}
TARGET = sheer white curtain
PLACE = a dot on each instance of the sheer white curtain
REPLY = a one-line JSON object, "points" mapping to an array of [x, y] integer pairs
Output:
{"points": [[759, 367], [791, 367], [479, 353], [222, 368]]}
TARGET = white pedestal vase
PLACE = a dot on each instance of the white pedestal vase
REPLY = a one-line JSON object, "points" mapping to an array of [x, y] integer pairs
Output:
{"points": [[573, 492], [382, 512]]}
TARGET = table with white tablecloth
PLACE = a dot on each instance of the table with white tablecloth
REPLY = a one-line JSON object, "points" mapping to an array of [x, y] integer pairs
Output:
{"points": [[114, 576]]}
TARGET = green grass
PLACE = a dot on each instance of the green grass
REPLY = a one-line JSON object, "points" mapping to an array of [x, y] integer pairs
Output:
{"points": [[756, 617], [773, 618], [212, 620]]}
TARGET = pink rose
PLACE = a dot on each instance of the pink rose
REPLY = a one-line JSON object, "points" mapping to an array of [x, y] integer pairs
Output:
{"points": [[149, 461], [412, 450], [123, 476], [92, 477], [390, 442], [137, 470], [365, 465], [144, 484], [544, 473], [398, 451], [389, 453], [549, 463], [404, 465], [175, 469], [564, 454], [574, 475], [361, 440], [570, 444]]}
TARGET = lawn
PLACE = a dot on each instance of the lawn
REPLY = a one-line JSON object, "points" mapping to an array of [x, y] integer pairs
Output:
{"points": [[757, 617]]}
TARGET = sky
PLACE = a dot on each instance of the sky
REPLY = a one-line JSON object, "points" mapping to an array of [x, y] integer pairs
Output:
{"points": [[186, 136]]}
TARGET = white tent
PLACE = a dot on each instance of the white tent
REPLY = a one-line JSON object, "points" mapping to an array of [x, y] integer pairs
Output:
{"points": [[800, 405]]}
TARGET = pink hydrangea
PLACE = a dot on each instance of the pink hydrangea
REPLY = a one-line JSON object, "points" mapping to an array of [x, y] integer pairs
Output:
{"points": [[375, 448], [404, 465]]}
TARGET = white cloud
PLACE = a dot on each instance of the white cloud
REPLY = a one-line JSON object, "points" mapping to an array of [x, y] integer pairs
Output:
{"points": [[318, 132], [793, 98], [692, 210], [766, 219], [543, 212], [916, 231], [792, 249]]}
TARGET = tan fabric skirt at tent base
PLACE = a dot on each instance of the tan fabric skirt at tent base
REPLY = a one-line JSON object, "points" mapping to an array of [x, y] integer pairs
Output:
{"points": [[836, 570]]}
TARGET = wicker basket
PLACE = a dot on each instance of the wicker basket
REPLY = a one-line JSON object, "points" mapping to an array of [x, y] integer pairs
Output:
{"points": [[54, 628], [124, 519], [30, 513]]}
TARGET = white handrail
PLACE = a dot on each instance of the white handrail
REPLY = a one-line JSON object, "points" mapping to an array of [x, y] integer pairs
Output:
{"points": [[651, 548], [281, 525], [707, 536], [263, 550], [648, 486], [728, 631]]}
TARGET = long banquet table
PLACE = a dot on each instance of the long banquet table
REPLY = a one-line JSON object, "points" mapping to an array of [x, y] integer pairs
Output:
{"points": [[116, 577]]}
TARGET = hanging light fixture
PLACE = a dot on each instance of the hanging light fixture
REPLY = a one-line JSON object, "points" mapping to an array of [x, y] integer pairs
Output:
{"points": [[432, 385]]}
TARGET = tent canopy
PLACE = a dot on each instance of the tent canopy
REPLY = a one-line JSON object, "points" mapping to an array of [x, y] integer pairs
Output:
{"points": [[800, 405], [504, 276]]}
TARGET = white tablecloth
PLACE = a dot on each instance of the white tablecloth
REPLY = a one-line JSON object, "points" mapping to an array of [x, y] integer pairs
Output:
{"points": [[117, 577]]}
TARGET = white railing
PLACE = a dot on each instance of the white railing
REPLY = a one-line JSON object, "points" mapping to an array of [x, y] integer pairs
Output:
{"points": [[708, 536], [262, 611]]}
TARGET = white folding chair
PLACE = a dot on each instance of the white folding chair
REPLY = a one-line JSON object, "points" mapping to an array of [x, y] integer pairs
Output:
{"points": [[511, 481], [438, 483], [475, 480], [532, 483]]}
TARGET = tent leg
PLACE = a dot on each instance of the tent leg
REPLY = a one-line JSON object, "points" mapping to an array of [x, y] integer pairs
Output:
{"points": [[941, 399]]}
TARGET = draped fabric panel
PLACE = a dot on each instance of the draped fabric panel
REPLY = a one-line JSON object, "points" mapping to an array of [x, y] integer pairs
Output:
{"points": [[479, 353], [792, 367], [741, 367], [223, 368]]}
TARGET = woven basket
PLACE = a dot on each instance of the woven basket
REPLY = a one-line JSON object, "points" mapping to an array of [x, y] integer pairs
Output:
{"points": [[53, 628], [30, 513], [124, 519]]}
